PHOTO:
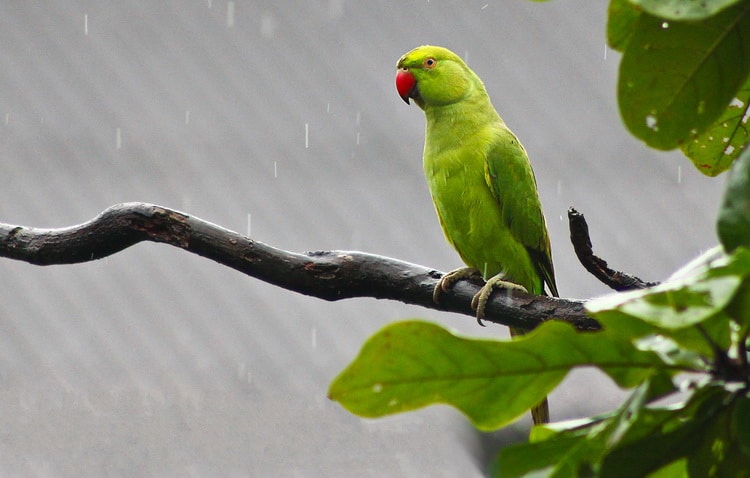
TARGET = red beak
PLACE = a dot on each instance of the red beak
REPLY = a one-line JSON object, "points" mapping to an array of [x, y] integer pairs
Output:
{"points": [[406, 84]]}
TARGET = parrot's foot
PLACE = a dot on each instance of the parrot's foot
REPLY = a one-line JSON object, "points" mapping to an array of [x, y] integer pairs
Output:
{"points": [[449, 280], [479, 302]]}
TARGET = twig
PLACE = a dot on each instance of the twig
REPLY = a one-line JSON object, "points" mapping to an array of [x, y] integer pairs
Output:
{"points": [[579, 236], [329, 275]]}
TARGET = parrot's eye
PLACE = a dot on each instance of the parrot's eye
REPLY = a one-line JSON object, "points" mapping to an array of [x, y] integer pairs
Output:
{"points": [[430, 63]]}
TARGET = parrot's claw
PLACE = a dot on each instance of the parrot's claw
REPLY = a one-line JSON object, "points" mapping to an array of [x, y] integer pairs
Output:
{"points": [[449, 280], [479, 302]]}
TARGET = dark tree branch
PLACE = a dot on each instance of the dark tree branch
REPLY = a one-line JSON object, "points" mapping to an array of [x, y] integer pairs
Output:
{"points": [[329, 275], [579, 236]]}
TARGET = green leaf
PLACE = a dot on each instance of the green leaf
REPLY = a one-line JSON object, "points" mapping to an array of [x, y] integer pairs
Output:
{"points": [[734, 216], [674, 304], [714, 150], [719, 452], [577, 447], [663, 319], [739, 309], [700, 437], [718, 329], [658, 437], [683, 9], [622, 17], [741, 425], [412, 364], [687, 347], [676, 469], [700, 432], [677, 78], [546, 458]]}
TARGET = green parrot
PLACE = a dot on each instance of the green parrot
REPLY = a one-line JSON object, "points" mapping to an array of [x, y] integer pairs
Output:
{"points": [[480, 180]]}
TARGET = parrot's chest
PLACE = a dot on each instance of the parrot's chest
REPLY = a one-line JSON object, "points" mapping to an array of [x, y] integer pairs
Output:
{"points": [[457, 181], [467, 210]]}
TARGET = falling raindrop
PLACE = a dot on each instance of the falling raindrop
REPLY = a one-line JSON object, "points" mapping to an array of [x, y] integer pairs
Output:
{"points": [[86, 24], [7, 118], [307, 135], [605, 52], [679, 174], [328, 107], [230, 14], [314, 337], [118, 138], [275, 170], [187, 116], [359, 118], [559, 187], [485, 6], [249, 223], [357, 138], [209, 4]]}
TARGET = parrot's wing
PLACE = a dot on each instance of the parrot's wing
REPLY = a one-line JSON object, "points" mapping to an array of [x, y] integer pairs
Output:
{"points": [[509, 176]]}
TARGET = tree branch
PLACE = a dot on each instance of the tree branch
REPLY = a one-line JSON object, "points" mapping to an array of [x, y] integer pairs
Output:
{"points": [[579, 236], [329, 275]]}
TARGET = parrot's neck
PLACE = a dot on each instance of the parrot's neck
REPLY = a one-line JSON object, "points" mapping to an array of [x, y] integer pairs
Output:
{"points": [[449, 126]]}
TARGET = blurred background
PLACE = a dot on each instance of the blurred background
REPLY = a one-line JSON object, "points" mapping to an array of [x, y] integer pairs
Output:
{"points": [[281, 120]]}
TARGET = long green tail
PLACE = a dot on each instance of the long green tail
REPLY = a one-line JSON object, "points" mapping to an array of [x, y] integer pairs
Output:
{"points": [[540, 412]]}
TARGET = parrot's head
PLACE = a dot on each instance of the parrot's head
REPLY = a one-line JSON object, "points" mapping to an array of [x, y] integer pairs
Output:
{"points": [[434, 76]]}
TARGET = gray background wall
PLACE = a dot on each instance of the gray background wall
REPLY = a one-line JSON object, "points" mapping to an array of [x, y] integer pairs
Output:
{"points": [[156, 362]]}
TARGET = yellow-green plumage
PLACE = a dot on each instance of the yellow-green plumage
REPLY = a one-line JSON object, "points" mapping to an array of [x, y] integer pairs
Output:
{"points": [[480, 179]]}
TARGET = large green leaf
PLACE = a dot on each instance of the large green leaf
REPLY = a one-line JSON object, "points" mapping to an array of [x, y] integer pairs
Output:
{"points": [[677, 78], [714, 150], [683, 9], [412, 364], [734, 216], [622, 17]]}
